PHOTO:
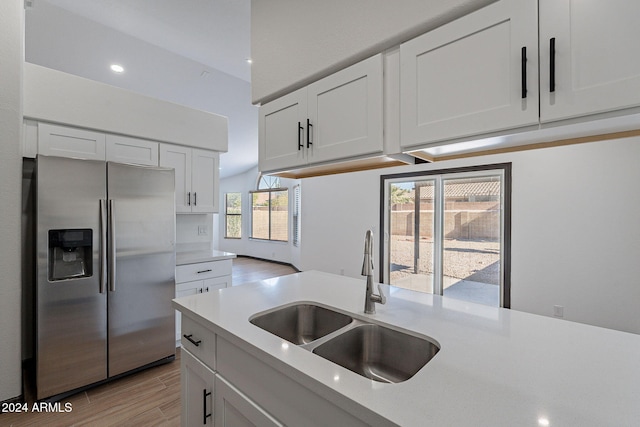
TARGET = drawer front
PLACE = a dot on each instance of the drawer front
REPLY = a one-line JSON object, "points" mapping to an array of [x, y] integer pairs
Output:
{"points": [[203, 270], [199, 341]]}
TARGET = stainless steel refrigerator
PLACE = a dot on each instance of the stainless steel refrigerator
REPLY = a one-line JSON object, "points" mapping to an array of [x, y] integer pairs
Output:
{"points": [[105, 271]]}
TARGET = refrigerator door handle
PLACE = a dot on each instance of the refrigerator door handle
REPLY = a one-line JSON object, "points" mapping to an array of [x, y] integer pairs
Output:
{"points": [[112, 246], [103, 245]]}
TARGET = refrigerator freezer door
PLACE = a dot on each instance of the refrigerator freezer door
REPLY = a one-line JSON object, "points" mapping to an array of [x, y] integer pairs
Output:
{"points": [[71, 337], [142, 218]]}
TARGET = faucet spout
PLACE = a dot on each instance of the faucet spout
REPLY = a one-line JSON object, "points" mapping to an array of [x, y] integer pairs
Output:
{"points": [[367, 270]]}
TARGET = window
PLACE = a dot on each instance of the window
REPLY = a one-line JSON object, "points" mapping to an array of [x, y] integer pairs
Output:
{"points": [[233, 215], [270, 210], [449, 233]]}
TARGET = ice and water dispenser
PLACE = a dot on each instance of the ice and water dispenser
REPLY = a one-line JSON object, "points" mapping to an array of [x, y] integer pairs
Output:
{"points": [[70, 254]]}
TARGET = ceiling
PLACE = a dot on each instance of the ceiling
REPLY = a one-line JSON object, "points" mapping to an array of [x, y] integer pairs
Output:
{"points": [[212, 32], [192, 52]]}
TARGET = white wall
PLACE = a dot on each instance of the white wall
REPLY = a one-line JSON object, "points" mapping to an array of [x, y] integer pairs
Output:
{"points": [[575, 230], [276, 251], [11, 59], [59, 39], [188, 227], [296, 42]]}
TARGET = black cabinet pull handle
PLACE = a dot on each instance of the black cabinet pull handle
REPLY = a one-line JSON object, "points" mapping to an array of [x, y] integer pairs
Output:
{"points": [[195, 199], [204, 271], [552, 64], [309, 133], [300, 128], [204, 406], [524, 71], [189, 198], [191, 340]]}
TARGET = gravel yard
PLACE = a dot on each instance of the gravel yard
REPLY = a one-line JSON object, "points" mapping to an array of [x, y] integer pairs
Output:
{"points": [[473, 260]]}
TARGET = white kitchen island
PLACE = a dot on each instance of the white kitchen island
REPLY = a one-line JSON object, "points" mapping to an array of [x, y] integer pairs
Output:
{"points": [[495, 367]]}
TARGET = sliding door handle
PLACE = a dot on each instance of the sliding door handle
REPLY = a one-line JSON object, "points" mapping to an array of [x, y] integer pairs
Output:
{"points": [[552, 64], [523, 65]]}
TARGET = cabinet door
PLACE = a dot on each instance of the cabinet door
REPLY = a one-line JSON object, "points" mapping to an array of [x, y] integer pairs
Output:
{"points": [[209, 285], [281, 132], [136, 151], [346, 113], [234, 409], [197, 386], [183, 290], [179, 158], [466, 77], [204, 181], [596, 68], [63, 141]]}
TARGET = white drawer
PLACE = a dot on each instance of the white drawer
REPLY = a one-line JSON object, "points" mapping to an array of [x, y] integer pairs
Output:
{"points": [[203, 270], [200, 341]]}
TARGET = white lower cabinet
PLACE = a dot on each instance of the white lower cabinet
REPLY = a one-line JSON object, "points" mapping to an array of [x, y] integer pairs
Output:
{"points": [[233, 409], [198, 278], [197, 388], [208, 398], [249, 391]]}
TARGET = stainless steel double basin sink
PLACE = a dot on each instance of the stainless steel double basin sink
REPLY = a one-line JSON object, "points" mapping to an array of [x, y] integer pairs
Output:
{"points": [[367, 348]]}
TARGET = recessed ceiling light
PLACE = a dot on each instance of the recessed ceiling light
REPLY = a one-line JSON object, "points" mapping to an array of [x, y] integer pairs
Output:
{"points": [[249, 60], [117, 68]]}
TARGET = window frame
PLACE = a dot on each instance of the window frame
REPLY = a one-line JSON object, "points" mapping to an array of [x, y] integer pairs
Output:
{"points": [[295, 216], [270, 190], [477, 170], [227, 214]]}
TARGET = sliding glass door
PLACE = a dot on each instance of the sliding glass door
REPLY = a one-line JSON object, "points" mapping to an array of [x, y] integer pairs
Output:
{"points": [[411, 234], [445, 234]]}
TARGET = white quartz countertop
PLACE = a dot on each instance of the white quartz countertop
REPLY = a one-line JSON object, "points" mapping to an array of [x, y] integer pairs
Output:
{"points": [[495, 367], [199, 255]]}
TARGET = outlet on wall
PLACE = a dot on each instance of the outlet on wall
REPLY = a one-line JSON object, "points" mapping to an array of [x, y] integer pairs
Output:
{"points": [[558, 311], [202, 230]]}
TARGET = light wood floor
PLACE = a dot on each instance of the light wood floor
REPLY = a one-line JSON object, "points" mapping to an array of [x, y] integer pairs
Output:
{"points": [[250, 269], [147, 398]]}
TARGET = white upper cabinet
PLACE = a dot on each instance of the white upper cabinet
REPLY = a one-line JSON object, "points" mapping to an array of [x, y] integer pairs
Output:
{"points": [[475, 75], [282, 132], [346, 113], [338, 117], [179, 158], [124, 149], [62, 141], [588, 57], [204, 180], [196, 175]]}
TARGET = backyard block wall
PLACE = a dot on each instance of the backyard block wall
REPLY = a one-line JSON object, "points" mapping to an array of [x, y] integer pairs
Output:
{"points": [[458, 224]]}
